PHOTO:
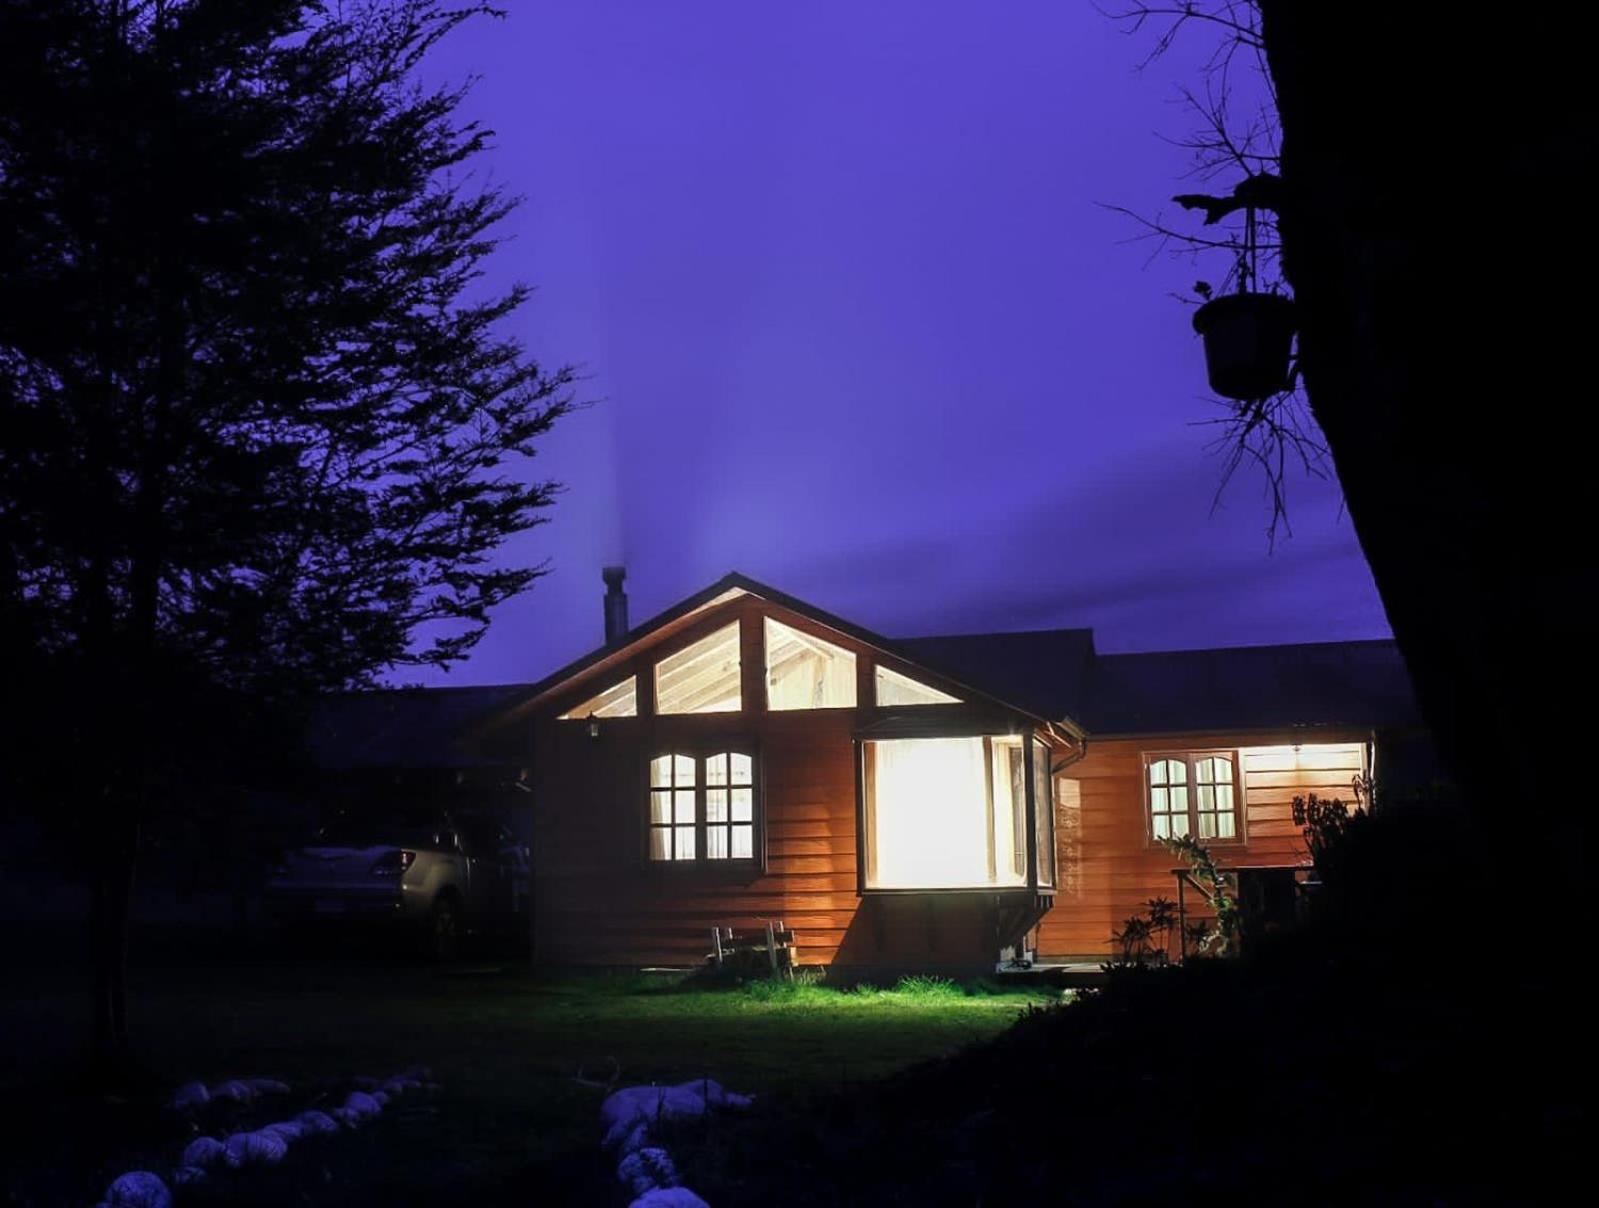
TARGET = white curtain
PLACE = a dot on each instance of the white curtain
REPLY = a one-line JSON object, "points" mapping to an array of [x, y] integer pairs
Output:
{"points": [[931, 813]]}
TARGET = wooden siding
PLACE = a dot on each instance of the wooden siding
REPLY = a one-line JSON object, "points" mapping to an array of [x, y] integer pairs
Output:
{"points": [[598, 900], [1108, 865]]}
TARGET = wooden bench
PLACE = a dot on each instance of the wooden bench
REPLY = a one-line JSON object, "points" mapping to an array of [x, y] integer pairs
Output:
{"points": [[773, 940]]}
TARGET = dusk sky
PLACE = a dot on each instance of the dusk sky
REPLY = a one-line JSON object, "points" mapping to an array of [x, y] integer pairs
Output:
{"points": [[857, 326]]}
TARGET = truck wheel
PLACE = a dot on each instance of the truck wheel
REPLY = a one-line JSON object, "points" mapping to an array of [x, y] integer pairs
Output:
{"points": [[444, 929]]}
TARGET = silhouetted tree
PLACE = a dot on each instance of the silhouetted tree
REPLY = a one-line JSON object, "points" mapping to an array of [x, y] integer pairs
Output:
{"points": [[263, 426], [1431, 206]]}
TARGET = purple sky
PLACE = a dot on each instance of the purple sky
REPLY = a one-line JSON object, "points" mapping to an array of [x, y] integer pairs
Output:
{"points": [[857, 327]]}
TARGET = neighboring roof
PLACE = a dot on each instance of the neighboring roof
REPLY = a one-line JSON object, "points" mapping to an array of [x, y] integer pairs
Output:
{"points": [[1361, 683], [405, 727]]}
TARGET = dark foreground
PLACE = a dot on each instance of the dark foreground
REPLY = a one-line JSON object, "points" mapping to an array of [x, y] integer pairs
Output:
{"points": [[512, 1124]]}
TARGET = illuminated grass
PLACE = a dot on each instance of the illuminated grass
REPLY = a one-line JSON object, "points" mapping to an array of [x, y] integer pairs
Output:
{"points": [[506, 1045]]}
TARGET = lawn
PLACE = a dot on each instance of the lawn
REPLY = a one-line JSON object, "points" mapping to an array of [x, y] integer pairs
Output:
{"points": [[512, 1120]]}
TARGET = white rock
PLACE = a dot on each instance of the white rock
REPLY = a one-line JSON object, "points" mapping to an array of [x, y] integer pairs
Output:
{"points": [[233, 1090], [255, 1149], [317, 1122], [138, 1189], [204, 1151], [669, 1197], [189, 1096], [363, 1105], [646, 1168]]}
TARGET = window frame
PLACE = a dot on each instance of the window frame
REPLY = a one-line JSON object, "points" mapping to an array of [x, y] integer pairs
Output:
{"points": [[1191, 760], [701, 751], [987, 728]]}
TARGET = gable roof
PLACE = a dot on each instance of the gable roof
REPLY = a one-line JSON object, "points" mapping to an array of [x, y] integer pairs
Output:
{"points": [[734, 585]]}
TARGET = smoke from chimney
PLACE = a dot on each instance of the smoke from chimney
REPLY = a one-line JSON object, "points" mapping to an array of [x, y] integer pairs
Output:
{"points": [[615, 604]]}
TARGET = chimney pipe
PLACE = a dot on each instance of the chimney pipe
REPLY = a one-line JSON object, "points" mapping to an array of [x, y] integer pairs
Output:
{"points": [[615, 604]]}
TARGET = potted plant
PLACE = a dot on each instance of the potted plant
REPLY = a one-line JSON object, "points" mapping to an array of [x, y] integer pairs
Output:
{"points": [[1248, 338]]}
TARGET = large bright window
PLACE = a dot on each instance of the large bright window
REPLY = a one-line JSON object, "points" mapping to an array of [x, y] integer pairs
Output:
{"points": [[896, 689], [1193, 793], [702, 807], [946, 813], [804, 672], [702, 677], [619, 700]]}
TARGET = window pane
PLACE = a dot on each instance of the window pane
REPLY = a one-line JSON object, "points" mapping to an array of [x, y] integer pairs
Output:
{"points": [[1179, 800], [1225, 827], [684, 806], [716, 843], [896, 689], [660, 848], [685, 769], [619, 700], [1044, 808], [743, 843], [1178, 770], [1223, 769], [716, 805], [661, 772], [742, 769], [683, 842], [743, 805], [927, 816], [1157, 801], [1160, 824], [1224, 796], [702, 678], [1207, 826], [804, 672], [1179, 825], [1157, 772], [1207, 797], [660, 807], [716, 769]]}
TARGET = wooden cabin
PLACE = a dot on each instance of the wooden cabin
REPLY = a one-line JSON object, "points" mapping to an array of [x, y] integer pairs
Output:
{"points": [[910, 805]]}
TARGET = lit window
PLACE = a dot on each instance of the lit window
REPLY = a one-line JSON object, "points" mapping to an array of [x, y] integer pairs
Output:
{"points": [[896, 689], [804, 672], [703, 677], [1193, 794], [948, 813], [619, 700], [702, 807]]}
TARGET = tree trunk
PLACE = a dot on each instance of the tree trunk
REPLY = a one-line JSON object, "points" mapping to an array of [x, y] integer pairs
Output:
{"points": [[110, 900], [1428, 161]]}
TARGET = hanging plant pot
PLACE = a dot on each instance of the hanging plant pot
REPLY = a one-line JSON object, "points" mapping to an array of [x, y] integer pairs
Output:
{"points": [[1247, 341]]}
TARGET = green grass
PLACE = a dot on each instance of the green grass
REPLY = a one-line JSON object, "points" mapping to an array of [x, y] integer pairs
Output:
{"points": [[512, 1120]]}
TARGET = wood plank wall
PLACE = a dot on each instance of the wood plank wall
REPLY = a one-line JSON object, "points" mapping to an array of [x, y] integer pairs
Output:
{"points": [[1109, 867], [598, 900]]}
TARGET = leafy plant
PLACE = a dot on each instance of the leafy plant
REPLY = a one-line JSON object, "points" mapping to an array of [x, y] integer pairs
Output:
{"points": [[1221, 938]]}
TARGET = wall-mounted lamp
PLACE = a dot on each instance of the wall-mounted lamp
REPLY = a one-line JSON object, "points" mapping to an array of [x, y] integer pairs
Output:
{"points": [[594, 726]]}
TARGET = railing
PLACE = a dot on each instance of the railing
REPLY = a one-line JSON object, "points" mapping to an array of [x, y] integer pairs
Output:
{"points": [[1268, 896]]}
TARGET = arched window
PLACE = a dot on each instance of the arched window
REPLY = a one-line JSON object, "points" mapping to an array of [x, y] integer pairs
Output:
{"points": [[1193, 793], [702, 807]]}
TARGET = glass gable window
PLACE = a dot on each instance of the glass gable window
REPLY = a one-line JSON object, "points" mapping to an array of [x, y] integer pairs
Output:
{"points": [[702, 677], [1193, 793], [946, 813], [804, 672], [896, 689], [619, 700]]}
